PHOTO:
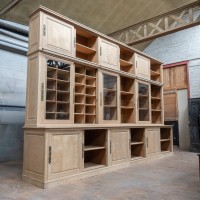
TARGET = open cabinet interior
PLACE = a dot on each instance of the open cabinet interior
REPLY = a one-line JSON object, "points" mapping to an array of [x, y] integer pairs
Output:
{"points": [[58, 90], [85, 94], [156, 104], [155, 71], [86, 45], [127, 99], [165, 139], [137, 142], [126, 60], [95, 142]]}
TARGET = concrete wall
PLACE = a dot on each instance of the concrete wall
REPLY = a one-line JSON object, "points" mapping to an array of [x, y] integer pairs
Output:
{"points": [[13, 70]]}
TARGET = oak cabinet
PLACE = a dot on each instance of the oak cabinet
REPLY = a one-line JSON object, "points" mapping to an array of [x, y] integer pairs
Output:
{"points": [[119, 145], [50, 33], [142, 66], [152, 141], [109, 54]]}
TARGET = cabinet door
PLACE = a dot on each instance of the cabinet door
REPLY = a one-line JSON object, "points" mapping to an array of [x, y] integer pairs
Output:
{"points": [[109, 98], [109, 54], [143, 102], [64, 153], [119, 145], [58, 36], [152, 141], [142, 66]]}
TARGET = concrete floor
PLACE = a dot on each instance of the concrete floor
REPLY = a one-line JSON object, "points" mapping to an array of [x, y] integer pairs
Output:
{"points": [[171, 178]]}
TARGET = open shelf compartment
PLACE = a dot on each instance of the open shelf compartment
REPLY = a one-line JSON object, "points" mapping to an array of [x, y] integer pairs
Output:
{"points": [[156, 71], [86, 45], [165, 139], [137, 146], [94, 147]]}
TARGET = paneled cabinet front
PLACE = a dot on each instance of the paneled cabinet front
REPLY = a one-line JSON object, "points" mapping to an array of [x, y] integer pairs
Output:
{"points": [[109, 54], [142, 66], [64, 153], [50, 33], [152, 141], [119, 145]]}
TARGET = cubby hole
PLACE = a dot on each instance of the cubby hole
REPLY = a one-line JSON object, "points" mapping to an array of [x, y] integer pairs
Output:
{"points": [[90, 110], [165, 133], [127, 101], [86, 45], [62, 86], [137, 135], [165, 145], [91, 82], [126, 60], [51, 72], [63, 75], [137, 151], [80, 89], [91, 100], [50, 107], [155, 91], [127, 84], [63, 97], [155, 71], [91, 91], [79, 119], [79, 109], [90, 119], [51, 84], [50, 95], [80, 79], [127, 115], [80, 99], [155, 104], [95, 138], [62, 107], [156, 117], [165, 139], [79, 69]]}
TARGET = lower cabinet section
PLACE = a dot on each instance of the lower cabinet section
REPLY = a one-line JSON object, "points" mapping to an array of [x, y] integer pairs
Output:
{"points": [[54, 156]]}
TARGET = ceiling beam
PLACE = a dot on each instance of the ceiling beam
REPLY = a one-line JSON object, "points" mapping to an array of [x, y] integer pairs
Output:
{"points": [[9, 6], [164, 24]]}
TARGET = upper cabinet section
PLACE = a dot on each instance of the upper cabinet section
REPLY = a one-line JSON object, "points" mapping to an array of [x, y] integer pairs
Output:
{"points": [[109, 54], [86, 45], [142, 66], [49, 33]]}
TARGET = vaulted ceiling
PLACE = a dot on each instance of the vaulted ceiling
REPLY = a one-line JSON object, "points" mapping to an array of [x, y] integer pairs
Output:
{"points": [[105, 16]]}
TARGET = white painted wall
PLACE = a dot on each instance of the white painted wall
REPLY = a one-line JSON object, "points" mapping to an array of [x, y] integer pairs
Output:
{"points": [[180, 46], [183, 125]]}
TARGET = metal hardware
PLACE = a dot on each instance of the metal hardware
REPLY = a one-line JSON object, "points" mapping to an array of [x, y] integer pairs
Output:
{"points": [[44, 29], [50, 154], [100, 51], [73, 96], [147, 142], [110, 147], [82, 150], [130, 144], [42, 92]]}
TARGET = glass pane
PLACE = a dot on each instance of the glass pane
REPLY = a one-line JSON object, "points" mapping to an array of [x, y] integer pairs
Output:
{"points": [[143, 101], [57, 91], [110, 97]]}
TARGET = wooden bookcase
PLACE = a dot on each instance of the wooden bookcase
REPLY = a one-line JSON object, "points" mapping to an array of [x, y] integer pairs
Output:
{"points": [[93, 104]]}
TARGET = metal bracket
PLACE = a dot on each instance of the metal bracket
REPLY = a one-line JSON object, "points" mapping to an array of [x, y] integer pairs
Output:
{"points": [[42, 92], [44, 29], [110, 147]]}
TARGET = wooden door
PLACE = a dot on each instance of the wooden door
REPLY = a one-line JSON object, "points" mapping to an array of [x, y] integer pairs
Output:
{"points": [[119, 141], [143, 102], [142, 66], [64, 153], [109, 54], [109, 98], [152, 141], [58, 36]]}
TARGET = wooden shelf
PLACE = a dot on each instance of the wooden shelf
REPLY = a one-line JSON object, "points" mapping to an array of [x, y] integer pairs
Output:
{"points": [[165, 140], [90, 148], [155, 110], [155, 98], [126, 93], [136, 143], [143, 96], [153, 73], [125, 63], [79, 75], [88, 77], [127, 107], [84, 49], [91, 166]]}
